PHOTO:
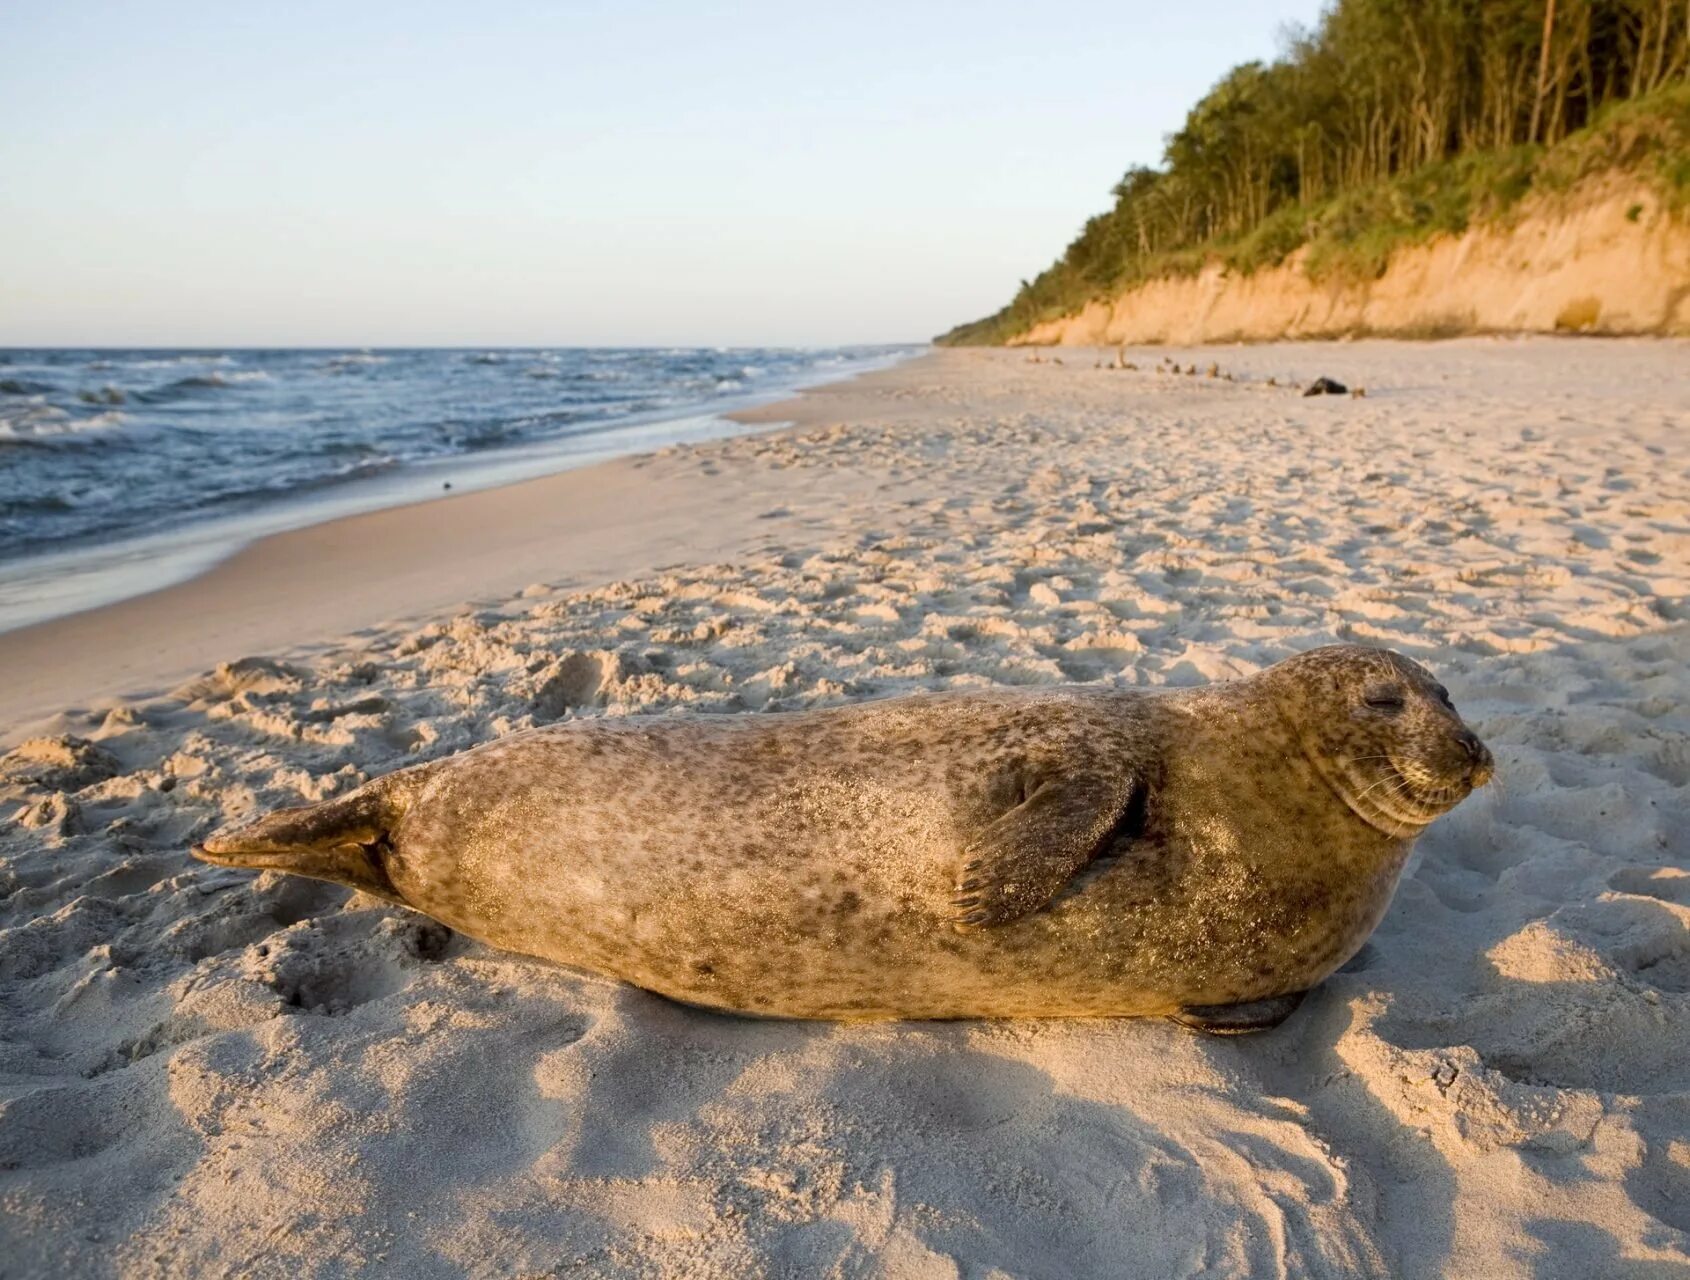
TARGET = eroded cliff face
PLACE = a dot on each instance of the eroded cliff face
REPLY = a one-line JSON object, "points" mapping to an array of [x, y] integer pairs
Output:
{"points": [[1604, 260]]}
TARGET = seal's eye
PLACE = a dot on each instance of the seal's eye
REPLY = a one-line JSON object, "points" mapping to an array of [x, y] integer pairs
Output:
{"points": [[1387, 699]]}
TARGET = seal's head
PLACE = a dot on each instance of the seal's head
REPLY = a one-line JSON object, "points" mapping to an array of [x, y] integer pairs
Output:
{"points": [[1383, 733]]}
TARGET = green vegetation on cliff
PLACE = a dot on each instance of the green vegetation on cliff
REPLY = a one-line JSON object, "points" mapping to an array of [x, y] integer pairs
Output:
{"points": [[1391, 122]]}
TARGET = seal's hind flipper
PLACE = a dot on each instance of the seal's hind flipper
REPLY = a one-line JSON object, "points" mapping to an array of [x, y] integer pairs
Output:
{"points": [[344, 840], [1239, 1019], [1022, 861]]}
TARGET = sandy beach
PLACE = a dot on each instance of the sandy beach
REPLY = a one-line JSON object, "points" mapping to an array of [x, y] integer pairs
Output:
{"points": [[204, 1072]]}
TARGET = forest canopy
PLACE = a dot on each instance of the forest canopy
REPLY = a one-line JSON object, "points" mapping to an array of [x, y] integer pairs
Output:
{"points": [[1389, 117]]}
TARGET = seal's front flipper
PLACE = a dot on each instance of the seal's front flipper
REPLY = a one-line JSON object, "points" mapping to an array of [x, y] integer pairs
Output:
{"points": [[1021, 861], [344, 840], [1239, 1019]]}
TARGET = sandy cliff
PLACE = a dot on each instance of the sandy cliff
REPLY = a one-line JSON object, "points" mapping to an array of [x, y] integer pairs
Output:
{"points": [[1610, 260]]}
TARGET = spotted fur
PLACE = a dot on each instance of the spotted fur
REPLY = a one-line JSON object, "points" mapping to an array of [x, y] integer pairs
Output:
{"points": [[1065, 851]]}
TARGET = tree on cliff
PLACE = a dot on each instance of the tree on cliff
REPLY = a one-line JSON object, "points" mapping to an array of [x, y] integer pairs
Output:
{"points": [[1377, 89]]}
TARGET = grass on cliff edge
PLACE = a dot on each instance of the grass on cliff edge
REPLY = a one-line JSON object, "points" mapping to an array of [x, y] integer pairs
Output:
{"points": [[1353, 235]]}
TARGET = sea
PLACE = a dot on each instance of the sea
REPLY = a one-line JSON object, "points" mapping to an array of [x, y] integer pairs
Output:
{"points": [[122, 471]]}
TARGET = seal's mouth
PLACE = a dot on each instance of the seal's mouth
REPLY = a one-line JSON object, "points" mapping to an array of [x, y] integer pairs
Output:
{"points": [[1404, 794]]}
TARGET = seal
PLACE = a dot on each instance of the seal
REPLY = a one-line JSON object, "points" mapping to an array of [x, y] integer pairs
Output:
{"points": [[1208, 854]]}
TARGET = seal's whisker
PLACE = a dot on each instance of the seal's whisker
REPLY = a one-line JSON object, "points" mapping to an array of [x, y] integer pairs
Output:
{"points": [[1499, 784], [1388, 778], [1415, 807]]}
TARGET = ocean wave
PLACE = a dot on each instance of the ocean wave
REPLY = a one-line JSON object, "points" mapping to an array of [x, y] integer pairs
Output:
{"points": [[287, 486], [189, 386], [467, 438], [167, 362], [37, 504], [23, 387], [44, 423], [353, 360]]}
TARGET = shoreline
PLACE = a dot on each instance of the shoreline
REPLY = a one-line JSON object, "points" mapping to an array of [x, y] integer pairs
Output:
{"points": [[53, 582], [303, 587]]}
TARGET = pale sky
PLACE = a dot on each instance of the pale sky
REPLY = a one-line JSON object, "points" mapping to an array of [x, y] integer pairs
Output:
{"points": [[237, 174]]}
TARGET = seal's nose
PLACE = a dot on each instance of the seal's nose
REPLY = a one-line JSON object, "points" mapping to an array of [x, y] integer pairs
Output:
{"points": [[1478, 757]]}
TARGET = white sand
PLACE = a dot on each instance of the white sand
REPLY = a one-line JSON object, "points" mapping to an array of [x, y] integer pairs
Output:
{"points": [[207, 1073]]}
